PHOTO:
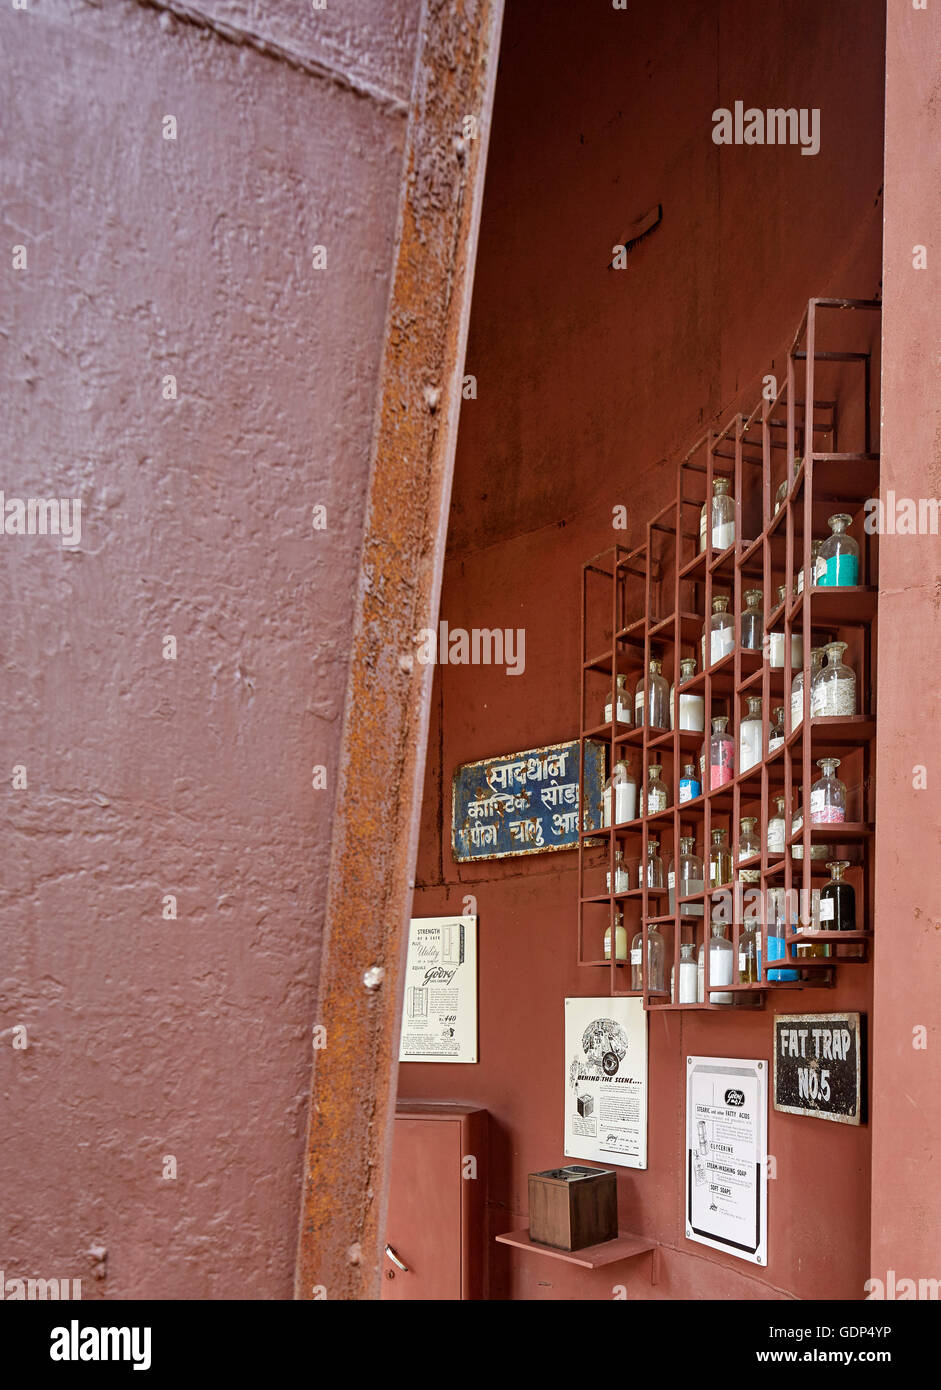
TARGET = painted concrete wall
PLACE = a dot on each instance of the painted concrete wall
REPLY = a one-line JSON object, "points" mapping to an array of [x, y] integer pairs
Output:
{"points": [[588, 381], [147, 258], [906, 1196]]}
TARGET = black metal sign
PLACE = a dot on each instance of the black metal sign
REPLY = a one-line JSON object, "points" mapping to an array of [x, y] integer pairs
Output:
{"points": [[818, 1066]]}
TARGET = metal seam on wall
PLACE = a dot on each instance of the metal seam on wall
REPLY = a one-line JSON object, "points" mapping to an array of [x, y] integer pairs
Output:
{"points": [[375, 835]]}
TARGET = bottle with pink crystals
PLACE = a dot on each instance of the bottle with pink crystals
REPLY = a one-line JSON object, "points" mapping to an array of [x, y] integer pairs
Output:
{"points": [[828, 795]]}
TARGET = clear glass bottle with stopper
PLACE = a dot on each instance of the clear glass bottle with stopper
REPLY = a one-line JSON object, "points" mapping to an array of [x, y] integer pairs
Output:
{"points": [[776, 640], [685, 879], [838, 907], [776, 732], [620, 938], [655, 962], [721, 753], [688, 974], [833, 688], [692, 708], [720, 966], [749, 844], [720, 631], [753, 621], [656, 796], [828, 795], [623, 703], [797, 687], [653, 870], [690, 784], [720, 859], [749, 937], [839, 554], [781, 494], [655, 710], [776, 829], [816, 566], [749, 735], [721, 509], [622, 879], [619, 795]]}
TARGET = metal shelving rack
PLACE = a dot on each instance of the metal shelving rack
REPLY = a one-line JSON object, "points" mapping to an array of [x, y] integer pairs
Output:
{"points": [[654, 600]]}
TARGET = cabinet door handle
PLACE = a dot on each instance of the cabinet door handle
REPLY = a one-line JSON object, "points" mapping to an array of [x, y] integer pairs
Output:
{"points": [[400, 1264]]}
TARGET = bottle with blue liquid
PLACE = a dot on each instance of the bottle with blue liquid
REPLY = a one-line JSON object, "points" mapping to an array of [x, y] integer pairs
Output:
{"points": [[777, 926], [690, 785]]}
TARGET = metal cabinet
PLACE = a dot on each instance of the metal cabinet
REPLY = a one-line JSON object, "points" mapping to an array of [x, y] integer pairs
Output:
{"points": [[436, 1227]]}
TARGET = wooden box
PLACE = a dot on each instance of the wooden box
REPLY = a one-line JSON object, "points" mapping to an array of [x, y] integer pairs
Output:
{"points": [[572, 1207]]}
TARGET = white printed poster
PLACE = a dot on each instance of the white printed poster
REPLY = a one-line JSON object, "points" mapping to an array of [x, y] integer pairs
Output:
{"points": [[726, 1156], [439, 1011], [606, 1081]]}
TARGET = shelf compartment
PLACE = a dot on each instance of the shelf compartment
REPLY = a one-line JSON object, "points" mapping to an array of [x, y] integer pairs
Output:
{"points": [[625, 1247]]}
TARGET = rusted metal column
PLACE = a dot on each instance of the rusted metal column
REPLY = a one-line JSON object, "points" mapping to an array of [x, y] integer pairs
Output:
{"points": [[375, 835]]}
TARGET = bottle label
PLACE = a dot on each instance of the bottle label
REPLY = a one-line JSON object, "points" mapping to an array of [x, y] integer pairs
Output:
{"points": [[833, 699], [826, 909], [776, 837], [671, 879], [656, 800], [636, 956], [797, 708]]}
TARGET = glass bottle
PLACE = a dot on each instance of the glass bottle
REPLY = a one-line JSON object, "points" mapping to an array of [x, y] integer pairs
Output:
{"points": [[776, 642], [722, 511], [833, 688], [838, 907], [658, 694], [620, 938], [797, 686], [720, 859], [656, 796], [692, 708], [781, 494], [689, 872], [654, 960], [720, 966], [748, 842], [809, 925], [776, 829], [828, 795], [753, 621], [721, 631], [777, 926], [654, 867], [622, 879], [839, 554], [749, 735], [688, 973], [623, 703], [621, 787], [749, 937], [816, 566], [690, 785], [776, 732], [721, 753]]}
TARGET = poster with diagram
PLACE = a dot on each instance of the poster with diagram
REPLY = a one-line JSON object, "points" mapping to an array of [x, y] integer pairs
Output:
{"points": [[726, 1155], [439, 1010], [606, 1081]]}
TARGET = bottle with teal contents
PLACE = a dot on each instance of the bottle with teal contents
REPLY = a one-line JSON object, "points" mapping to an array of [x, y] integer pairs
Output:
{"points": [[839, 555]]}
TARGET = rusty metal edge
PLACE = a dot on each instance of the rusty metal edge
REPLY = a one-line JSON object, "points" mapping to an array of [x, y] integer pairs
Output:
{"points": [[375, 832]]}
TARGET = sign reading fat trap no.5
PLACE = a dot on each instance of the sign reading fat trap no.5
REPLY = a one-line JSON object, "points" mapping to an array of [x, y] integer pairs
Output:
{"points": [[524, 803], [818, 1066]]}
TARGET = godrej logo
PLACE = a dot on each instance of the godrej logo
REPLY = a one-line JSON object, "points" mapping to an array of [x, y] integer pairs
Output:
{"points": [[735, 1097]]}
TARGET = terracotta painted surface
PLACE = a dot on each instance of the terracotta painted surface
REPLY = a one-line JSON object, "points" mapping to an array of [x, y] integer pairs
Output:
{"points": [[906, 1200], [146, 777], [588, 380]]}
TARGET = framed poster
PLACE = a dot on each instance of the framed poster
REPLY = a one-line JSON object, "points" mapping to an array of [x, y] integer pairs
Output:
{"points": [[818, 1066], [726, 1156], [606, 1081], [439, 1009]]}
